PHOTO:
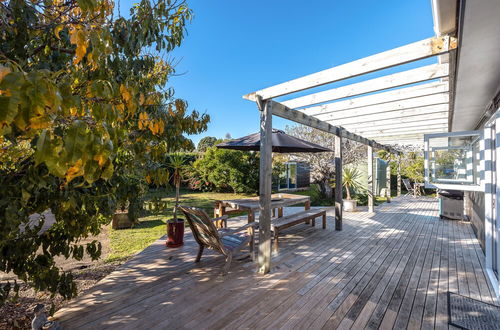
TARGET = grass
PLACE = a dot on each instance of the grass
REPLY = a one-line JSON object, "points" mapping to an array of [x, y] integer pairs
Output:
{"points": [[124, 243]]}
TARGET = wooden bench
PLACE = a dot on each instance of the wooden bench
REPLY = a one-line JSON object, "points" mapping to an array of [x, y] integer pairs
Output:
{"points": [[279, 224]]}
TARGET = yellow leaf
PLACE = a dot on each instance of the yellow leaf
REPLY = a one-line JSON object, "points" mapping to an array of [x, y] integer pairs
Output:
{"points": [[74, 171], [39, 122], [151, 127], [58, 29], [148, 179], [78, 38], [161, 125], [149, 100], [125, 93], [141, 99], [73, 36], [5, 93], [81, 49], [101, 159], [4, 71]]}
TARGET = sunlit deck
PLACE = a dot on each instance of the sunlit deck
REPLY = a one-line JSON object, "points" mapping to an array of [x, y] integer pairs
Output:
{"points": [[392, 268]]}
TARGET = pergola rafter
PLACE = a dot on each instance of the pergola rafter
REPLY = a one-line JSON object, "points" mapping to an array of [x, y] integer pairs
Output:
{"points": [[384, 108], [393, 109], [386, 115], [430, 72], [380, 99]]}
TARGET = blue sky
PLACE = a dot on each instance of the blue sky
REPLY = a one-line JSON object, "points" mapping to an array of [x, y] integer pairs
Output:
{"points": [[234, 47]]}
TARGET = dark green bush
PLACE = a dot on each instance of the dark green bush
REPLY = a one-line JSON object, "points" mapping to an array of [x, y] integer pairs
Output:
{"points": [[225, 170]]}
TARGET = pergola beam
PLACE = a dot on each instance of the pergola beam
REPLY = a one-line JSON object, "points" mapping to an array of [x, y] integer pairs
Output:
{"points": [[265, 185], [425, 73], [398, 191], [418, 102], [381, 98], [338, 183], [401, 55], [370, 178], [280, 110]]}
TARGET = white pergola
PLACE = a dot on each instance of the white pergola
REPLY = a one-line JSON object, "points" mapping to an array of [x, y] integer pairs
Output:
{"points": [[395, 109]]}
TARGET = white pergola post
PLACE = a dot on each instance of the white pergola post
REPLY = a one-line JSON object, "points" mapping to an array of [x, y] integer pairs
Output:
{"points": [[388, 182], [338, 183], [399, 176], [370, 178], [265, 186]]}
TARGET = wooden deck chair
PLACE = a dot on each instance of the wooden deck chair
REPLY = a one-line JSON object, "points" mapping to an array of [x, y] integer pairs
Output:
{"points": [[224, 240], [409, 188]]}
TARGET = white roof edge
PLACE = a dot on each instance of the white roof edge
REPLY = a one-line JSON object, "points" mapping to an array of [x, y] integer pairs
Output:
{"points": [[444, 14]]}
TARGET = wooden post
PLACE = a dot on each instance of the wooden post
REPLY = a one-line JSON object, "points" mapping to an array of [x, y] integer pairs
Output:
{"points": [[388, 182], [370, 178], [265, 185], [338, 183], [399, 176]]}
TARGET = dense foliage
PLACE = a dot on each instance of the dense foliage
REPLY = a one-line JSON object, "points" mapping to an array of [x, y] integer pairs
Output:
{"points": [[86, 114], [322, 163], [225, 170], [350, 181], [206, 142], [412, 164]]}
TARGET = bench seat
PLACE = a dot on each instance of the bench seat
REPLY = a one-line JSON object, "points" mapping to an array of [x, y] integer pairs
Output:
{"points": [[281, 223]]}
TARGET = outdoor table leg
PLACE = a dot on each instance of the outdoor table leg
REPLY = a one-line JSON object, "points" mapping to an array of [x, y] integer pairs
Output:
{"points": [[280, 212], [219, 211], [250, 231], [307, 206]]}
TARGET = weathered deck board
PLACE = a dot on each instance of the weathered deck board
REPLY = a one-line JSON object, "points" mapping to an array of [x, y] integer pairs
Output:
{"points": [[388, 269]]}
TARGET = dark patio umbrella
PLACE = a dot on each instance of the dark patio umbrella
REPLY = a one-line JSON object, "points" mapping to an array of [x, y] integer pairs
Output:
{"points": [[282, 143]]}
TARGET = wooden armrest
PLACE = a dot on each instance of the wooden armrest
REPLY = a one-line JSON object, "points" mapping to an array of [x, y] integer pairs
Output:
{"points": [[240, 229], [224, 217]]}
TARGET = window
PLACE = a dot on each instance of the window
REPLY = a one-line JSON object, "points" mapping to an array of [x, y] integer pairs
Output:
{"points": [[453, 160]]}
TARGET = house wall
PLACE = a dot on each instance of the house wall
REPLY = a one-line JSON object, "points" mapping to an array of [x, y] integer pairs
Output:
{"points": [[474, 209], [379, 171], [303, 175]]}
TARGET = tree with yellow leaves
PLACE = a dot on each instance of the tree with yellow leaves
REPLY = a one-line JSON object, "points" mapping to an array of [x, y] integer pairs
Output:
{"points": [[85, 105]]}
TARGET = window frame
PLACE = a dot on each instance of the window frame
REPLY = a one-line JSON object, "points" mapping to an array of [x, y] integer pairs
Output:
{"points": [[448, 185]]}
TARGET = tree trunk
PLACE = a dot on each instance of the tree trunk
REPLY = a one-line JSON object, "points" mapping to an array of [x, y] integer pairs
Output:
{"points": [[326, 189], [348, 192]]}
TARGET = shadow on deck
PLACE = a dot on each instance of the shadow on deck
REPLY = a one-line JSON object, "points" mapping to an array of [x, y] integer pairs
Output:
{"points": [[388, 269]]}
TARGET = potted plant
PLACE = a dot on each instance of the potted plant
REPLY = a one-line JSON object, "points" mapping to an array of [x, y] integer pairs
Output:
{"points": [[175, 226], [131, 191], [350, 180], [121, 218]]}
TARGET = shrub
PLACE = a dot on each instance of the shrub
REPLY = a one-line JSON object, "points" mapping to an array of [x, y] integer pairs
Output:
{"points": [[225, 170]]}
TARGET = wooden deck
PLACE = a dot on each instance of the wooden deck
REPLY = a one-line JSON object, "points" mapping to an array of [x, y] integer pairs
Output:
{"points": [[389, 269]]}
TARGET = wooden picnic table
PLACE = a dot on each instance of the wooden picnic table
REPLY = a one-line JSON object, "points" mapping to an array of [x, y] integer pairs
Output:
{"points": [[251, 205]]}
